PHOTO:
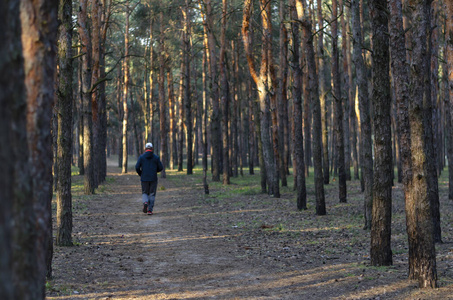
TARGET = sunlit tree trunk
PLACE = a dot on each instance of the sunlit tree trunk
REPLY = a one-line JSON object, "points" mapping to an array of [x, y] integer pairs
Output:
{"points": [[262, 82], [162, 103], [205, 103], [151, 81], [89, 180], [172, 121], [381, 252], [181, 118], [126, 90], [322, 96], [34, 225], [420, 229]]}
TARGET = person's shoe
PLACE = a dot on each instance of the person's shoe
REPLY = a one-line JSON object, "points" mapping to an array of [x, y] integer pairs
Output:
{"points": [[145, 207], [150, 213]]}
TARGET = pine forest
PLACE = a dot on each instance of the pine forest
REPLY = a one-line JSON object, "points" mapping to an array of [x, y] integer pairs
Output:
{"points": [[292, 149]]}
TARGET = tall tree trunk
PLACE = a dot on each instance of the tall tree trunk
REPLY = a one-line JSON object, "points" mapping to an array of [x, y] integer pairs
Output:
{"points": [[187, 98], [263, 86], [339, 132], [80, 112], [322, 86], [352, 97], [181, 115], [119, 104], [225, 95], [312, 86], [172, 159], [162, 110], [126, 90], [237, 147], [448, 78], [151, 80], [366, 160], [430, 115], [420, 229], [252, 129], [18, 280], [95, 30], [282, 94], [215, 119], [105, 22], [39, 37], [89, 180], [347, 90], [204, 124], [64, 197], [381, 252], [298, 138]]}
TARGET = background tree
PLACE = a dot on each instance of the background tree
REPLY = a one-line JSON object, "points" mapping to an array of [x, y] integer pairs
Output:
{"points": [[64, 93], [336, 89], [381, 252], [299, 173], [366, 160]]}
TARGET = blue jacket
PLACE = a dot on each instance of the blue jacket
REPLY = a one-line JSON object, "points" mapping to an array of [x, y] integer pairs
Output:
{"points": [[148, 165]]}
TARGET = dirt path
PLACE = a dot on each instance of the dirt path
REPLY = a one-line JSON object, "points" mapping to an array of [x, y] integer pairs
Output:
{"points": [[226, 249]]}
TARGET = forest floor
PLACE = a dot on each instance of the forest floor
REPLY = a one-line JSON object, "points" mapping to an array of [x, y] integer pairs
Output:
{"points": [[234, 243]]}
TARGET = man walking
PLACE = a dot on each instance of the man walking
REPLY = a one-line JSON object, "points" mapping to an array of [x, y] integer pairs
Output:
{"points": [[147, 167]]}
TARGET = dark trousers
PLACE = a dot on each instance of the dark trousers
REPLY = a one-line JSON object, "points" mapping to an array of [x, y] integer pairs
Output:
{"points": [[149, 193]]}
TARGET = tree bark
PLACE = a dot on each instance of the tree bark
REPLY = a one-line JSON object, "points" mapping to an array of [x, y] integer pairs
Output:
{"points": [[339, 131], [89, 180], [298, 138], [187, 98], [346, 85], [366, 160], [262, 82], [322, 86], [225, 95], [449, 90], [64, 153], [381, 252], [282, 94], [420, 229], [126, 91], [430, 114], [313, 92], [162, 106], [214, 85], [18, 280], [95, 30]]}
